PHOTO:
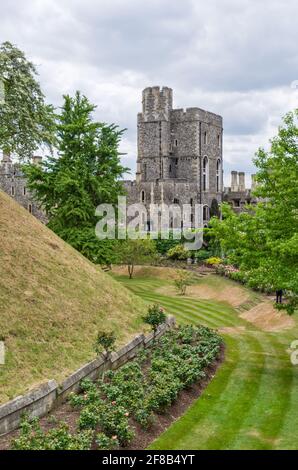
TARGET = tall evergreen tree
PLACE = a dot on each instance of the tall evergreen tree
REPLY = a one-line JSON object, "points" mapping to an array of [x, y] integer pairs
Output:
{"points": [[85, 174]]}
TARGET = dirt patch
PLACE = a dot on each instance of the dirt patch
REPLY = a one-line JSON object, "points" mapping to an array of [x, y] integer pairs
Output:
{"points": [[147, 271], [142, 437], [257, 435], [233, 295], [267, 318], [229, 330]]}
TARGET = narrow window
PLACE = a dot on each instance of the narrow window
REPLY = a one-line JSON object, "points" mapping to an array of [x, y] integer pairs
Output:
{"points": [[218, 176], [218, 140], [25, 191], [170, 169], [205, 174], [206, 213], [30, 208], [191, 201], [12, 191], [143, 196], [176, 143], [176, 161], [176, 201], [205, 138]]}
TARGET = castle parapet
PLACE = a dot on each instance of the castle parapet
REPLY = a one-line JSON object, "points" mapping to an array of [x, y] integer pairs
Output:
{"points": [[157, 103]]}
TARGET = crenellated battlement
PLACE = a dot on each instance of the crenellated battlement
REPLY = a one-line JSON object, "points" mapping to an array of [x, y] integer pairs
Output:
{"points": [[157, 103], [196, 114]]}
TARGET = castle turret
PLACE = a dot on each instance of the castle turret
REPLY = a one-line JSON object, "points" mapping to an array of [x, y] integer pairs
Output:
{"points": [[157, 103], [154, 134]]}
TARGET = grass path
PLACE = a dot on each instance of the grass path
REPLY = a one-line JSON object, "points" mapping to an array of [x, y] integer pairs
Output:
{"points": [[252, 403]]}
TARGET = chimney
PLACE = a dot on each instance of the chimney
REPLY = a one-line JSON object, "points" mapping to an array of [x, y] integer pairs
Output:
{"points": [[234, 181], [253, 182], [241, 181]]}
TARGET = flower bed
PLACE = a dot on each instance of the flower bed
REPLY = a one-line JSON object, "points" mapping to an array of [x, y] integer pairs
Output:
{"points": [[130, 399]]}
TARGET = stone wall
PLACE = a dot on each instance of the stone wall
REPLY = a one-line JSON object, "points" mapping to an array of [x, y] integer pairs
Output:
{"points": [[43, 399], [12, 182]]}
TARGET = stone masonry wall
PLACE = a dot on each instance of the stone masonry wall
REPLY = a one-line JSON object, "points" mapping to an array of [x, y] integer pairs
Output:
{"points": [[12, 182], [42, 400]]}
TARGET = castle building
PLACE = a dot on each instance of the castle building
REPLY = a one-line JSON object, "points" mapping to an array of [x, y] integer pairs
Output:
{"points": [[180, 161], [179, 154], [237, 195], [13, 182]]}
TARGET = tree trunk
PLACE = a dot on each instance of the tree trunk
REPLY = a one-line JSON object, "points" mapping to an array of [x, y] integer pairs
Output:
{"points": [[130, 270]]}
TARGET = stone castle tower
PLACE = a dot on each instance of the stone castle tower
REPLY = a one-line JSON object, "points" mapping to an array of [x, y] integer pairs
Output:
{"points": [[180, 161], [179, 154]]}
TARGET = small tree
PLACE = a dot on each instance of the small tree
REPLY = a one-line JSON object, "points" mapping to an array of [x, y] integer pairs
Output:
{"points": [[182, 281], [133, 252], [105, 342], [155, 317]]}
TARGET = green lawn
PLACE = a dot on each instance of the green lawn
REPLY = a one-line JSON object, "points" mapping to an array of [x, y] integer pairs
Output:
{"points": [[252, 403]]}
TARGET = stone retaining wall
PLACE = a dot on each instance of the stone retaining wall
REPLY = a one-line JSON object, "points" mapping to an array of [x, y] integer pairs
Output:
{"points": [[47, 396]]}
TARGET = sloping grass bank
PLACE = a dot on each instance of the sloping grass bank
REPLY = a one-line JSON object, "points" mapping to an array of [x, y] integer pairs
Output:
{"points": [[52, 302]]}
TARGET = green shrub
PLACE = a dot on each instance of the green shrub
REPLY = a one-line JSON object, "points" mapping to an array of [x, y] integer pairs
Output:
{"points": [[213, 261], [155, 317], [202, 255], [178, 252], [106, 443], [105, 342], [163, 246], [175, 362], [32, 437]]}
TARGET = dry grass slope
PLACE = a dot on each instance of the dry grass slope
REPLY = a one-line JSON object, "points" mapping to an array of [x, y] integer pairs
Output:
{"points": [[52, 301]]}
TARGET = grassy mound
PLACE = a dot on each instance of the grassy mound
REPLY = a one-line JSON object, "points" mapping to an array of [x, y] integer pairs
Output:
{"points": [[52, 302]]}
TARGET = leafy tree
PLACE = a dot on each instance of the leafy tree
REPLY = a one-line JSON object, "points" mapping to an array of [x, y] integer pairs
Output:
{"points": [[263, 241], [85, 174], [155, 317], [26, 121], [134, 252]]}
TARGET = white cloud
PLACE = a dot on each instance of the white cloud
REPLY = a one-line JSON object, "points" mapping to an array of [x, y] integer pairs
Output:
{"points": [[236, 58]]}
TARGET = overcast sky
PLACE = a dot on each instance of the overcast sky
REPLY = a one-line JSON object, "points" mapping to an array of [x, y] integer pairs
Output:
{"points": [[237, 58]]}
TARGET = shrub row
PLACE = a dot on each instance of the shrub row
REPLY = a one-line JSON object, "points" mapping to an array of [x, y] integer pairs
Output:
{"points": [[132, 394]]}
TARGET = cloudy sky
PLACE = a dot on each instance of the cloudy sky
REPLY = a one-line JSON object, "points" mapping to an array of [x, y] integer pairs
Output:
{"points": [[237, 58]]}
